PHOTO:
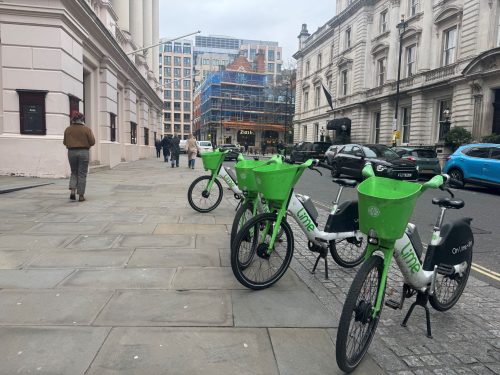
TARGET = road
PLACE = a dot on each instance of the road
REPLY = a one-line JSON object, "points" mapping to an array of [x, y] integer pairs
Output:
{"points": [[480, 204]]}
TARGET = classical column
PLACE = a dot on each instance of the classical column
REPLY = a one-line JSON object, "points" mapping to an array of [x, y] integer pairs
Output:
{"points": [[136, 21], [147, 27], [156, 36], [121, 9], [427, 48]]}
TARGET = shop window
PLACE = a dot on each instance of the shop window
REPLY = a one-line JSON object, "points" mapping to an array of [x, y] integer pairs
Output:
{"points": [[133, 133], [112, 127], [32, 112]]}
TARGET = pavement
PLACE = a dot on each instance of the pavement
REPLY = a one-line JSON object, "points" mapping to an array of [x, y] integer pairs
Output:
{"points": [[133, 281]]}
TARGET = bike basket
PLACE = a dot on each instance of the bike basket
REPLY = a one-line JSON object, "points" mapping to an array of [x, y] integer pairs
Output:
{"points": [[275, 181], [212, 160], [386, 205], [245, 175]]}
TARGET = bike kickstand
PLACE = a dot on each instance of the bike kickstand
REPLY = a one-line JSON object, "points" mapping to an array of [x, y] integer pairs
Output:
{"points": [[316, 264], [326, 267], [422, 300]]}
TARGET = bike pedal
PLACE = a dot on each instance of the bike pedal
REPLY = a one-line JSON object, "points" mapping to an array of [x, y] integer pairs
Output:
{"points": [[445, 269], [392, 304]]}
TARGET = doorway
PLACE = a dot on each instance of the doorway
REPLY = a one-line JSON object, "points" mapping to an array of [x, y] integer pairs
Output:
{"points": [[496, 113]]}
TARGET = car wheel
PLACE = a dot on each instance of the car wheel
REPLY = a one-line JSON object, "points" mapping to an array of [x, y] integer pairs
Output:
{"points": [[457, 174], [335, 170]]}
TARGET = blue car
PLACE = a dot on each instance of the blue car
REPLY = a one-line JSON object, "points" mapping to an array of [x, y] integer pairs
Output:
{"points": [[477, 164]]}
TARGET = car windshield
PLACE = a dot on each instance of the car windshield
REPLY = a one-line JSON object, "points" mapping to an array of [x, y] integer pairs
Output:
{"points": [[205, 144], [375, 151]]}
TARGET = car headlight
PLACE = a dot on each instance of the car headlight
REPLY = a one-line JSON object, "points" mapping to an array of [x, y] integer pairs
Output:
{"points": [[381, 168]]}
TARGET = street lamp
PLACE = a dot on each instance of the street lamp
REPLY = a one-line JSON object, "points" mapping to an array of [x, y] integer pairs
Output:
{"points": [[322, 136], [402, 28]]}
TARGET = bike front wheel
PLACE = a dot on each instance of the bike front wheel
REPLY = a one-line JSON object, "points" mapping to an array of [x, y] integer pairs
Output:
{"points": [[449, 288], [200, 199], [349, 252], [357, 325], [251, 263], [244, 213]]}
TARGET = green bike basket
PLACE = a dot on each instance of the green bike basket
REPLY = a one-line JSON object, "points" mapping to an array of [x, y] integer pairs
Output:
{"points": [[275, 181], [212, 160], [386, 205], [245, 175]]}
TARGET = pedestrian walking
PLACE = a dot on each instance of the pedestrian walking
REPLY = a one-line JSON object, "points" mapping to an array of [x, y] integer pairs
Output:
{"points": [[263, 148], [158, 147], [192, 149], [78, 139], [174, 151], [165, 145]]}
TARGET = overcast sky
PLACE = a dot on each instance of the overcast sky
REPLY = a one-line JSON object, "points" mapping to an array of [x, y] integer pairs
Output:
{"points": [[275, 20]]}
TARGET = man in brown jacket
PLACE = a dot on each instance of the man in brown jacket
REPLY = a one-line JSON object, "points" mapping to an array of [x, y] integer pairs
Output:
{"points": [[78, 139]]}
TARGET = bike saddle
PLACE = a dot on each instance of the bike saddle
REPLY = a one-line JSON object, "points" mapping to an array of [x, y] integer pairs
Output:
{"points": [[345, 182], [448, 202]]}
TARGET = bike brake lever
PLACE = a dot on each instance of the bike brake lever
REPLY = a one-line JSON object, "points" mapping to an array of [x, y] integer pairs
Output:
{"points": [[449, 192], [317, 170]]}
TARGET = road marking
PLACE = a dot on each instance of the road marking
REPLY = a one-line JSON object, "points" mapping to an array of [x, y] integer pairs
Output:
{"points": [[485, 273]]}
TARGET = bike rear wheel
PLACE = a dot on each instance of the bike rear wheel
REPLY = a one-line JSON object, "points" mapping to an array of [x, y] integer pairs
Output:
{"points": [[348, 252], [244, 213], [251, 264], [357, 325], [201, 200], [448, 289]]}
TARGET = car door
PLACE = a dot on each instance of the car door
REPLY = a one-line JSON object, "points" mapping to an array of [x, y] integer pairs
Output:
{"points": [[357, 161], [475, 163], [491, 166], [342, 157]]}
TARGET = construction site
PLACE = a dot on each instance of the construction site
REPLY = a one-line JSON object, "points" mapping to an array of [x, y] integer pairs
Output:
{"points": [[236, 105]]}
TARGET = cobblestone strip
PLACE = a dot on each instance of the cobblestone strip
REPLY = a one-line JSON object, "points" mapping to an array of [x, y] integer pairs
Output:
{"points": [[466, 338]]}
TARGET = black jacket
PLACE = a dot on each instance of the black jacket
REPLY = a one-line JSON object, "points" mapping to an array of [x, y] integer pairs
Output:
{"points": [[174, 146]]}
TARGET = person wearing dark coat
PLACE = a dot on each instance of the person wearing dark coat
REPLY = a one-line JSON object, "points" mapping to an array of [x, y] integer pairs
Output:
{"points": [[174, 151], [158, 147], [165, 145]]}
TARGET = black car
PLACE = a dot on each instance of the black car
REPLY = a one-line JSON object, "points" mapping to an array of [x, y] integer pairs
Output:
{"points": [[331, 152], [309, 150], [351, 159], [233, 151]]}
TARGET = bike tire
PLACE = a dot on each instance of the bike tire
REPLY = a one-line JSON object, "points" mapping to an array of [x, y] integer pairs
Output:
{"points": [[440, 302], [246, 271], [195, 194], [348, 359], [352, 253], [240, 219]]}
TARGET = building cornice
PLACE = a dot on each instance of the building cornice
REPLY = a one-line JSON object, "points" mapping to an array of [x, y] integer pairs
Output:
{"points": [[314, 42]]}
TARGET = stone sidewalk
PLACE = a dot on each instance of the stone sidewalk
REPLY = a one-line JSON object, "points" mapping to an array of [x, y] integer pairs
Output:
{"points": [[133, 281]]}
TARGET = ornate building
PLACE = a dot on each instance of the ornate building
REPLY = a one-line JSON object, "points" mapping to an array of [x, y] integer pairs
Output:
{"points": [[63, 56], [450, 71]]}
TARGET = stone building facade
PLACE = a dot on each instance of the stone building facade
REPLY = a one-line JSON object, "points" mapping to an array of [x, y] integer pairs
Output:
{"points": [[63, 56], [450, 71]]}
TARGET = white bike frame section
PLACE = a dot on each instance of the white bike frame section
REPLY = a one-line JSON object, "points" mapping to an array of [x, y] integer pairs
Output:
{"points": [[319, 237], [226, 177]]}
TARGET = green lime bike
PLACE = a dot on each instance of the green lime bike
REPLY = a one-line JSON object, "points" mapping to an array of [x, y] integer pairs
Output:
{"points": [[385, 208]]}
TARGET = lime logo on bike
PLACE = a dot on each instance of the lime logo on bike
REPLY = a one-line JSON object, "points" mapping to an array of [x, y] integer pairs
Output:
{"points": [[228, 180], [305, 220], [373, 211], [411, 259]]}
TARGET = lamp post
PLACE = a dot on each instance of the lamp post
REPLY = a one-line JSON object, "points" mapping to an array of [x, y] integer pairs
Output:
{"points": [[402, 28]]}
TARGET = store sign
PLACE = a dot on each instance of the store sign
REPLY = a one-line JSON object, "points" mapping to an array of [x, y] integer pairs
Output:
{"points": [[246, 132]]}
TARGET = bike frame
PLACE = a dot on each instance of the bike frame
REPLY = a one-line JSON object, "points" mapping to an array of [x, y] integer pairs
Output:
{"points": [[226, 177]]}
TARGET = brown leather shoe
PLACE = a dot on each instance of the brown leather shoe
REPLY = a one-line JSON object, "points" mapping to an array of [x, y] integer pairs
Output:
{"points": [[81, 198]]}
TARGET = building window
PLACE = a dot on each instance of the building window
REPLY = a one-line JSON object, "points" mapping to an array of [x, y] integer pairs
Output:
{"points": [[177, 84], [146, 136], [405, 123], [411, 52], [205, 62], [187, 117], [444, 119], [177, 61], [187, 72], [167, 60], [278, 68], [186, 106], [167, 94], [316, 132], [186, 48], [187, 84], [413, 7], [317, 96], [308, 65], [186, 95], [348, 38], [32, 112], [381, 71], [270, 55], [377, 127], [304, 132], [74, 105], [306, 101], [178, 47], [177, 117], [270, 67], [450, 46], [177, 72], [177, 95], [318, 65], [167, 116], [112, 127], [177, 106], [252, 54], [133, 133], [344, 82], [168, 72], [383, 22], [168, 47], [167, 106], [187, 61]]}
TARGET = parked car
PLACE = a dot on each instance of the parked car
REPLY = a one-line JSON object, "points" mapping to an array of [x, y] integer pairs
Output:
{"points": [[426, 159], [309, 150], [477, 164], [205, 146], [331, 152], [182, 146], [351, 159], [233, 151]]}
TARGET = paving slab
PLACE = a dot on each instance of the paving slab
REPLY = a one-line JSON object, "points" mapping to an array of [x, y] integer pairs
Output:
{"points": [[225, 257], [173, 257], [171, 240], [31, 279], [51, 306], [228, 220], [191, 278], [103, 241], [167, 308], [213, 240], [33, 241], [55, 217], [202, 351], [220, 230], [197, 219], [128, 228], [56, 228], [278, 308], [80, 259], [13, 227], [131, 278], [49, 350], [301, 351], [10, 259], [168, 218], [21, 217], [114, 217]]}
